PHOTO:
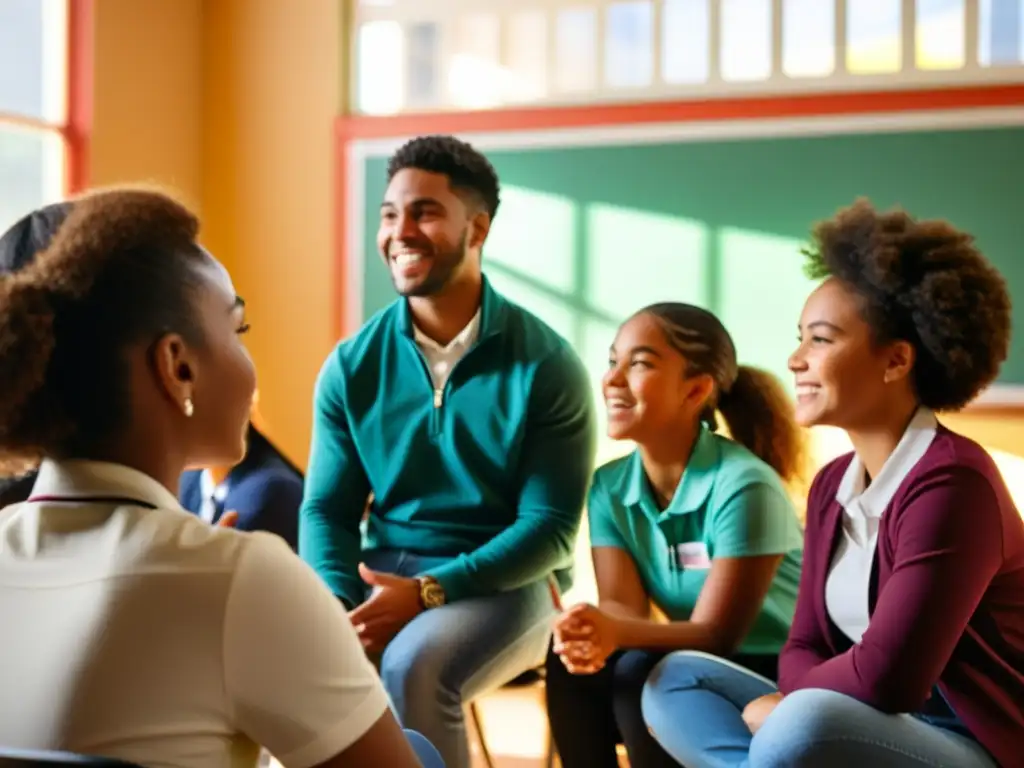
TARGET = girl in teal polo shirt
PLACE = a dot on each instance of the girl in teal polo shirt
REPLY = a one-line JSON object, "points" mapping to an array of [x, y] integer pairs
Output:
{"points": [[694, 523]]}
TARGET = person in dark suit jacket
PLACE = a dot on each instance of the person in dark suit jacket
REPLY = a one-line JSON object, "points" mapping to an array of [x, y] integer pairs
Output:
{"points": [[264, 490], [18, 247]]}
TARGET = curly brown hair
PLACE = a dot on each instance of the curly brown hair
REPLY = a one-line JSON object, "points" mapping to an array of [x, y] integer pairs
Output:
{"points": [[121, 270], [926, 283], [757, 410]]}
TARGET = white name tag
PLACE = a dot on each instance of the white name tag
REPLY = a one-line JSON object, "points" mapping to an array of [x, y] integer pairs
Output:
{"points": [[693, 555]]}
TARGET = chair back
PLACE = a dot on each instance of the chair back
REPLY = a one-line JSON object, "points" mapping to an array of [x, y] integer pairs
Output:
{"points": [[39, 758]]}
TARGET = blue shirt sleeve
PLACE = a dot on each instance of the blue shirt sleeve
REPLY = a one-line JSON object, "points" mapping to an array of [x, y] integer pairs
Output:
{"points": [[268, 501]]}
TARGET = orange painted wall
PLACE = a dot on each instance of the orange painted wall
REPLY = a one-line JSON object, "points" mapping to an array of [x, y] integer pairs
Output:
{"points": [[147, 94], [272, 87], [231, 104]]}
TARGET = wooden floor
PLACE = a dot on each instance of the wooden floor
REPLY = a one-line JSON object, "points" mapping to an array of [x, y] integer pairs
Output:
{"points": [[516, 728]]}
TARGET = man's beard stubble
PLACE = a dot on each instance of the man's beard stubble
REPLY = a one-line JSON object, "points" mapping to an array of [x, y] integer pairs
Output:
{"points": [[443, 265]]}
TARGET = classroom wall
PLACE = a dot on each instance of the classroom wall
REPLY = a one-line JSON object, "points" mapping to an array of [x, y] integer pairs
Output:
{"points": [[273, 85], [147, 94], [231, 104]]}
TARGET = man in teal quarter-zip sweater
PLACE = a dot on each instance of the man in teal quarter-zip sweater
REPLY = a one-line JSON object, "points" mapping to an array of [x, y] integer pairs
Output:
{"points": [[470, 424]]}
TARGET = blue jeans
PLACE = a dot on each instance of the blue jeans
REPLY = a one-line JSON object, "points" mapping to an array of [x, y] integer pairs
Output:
{"points": [[448, 656], [693, 704]]}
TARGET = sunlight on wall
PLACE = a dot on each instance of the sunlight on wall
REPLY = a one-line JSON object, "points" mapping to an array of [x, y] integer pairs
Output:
{"points": [[535, 236], [531, 252], [764, 289], [635, 258]]}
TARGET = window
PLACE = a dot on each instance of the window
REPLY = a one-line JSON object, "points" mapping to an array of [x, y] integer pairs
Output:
{"points": [[629, 30], [34, 130], [576, 50], [410, 55]]}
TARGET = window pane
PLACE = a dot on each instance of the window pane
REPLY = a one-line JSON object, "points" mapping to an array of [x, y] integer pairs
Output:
{"points": [[940, 34], [808, 38], [746, 39], [628, 34], [527, 45], [475, 77], [685, 49], [874, 43], [33, 58], [381, 55], [31, 171], [576, 50], [422, 65], [1001, 32]]}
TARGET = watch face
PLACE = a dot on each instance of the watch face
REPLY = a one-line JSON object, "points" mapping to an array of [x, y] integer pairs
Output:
{"points": [[433, 595]]}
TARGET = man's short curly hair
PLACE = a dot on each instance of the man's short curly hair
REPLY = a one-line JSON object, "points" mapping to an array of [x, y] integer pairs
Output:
{"points": [[926, 283], [469, 172], [121, 269]]}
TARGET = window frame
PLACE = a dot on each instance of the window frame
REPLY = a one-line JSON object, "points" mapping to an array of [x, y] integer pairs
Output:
{"points": [[75, 129]]}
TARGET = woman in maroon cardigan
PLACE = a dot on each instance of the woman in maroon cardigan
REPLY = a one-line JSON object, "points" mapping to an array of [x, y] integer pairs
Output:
{"points": [[907, 648]]}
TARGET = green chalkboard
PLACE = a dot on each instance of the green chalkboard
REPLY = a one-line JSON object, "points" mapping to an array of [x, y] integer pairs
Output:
{"points": [[586, 235]]}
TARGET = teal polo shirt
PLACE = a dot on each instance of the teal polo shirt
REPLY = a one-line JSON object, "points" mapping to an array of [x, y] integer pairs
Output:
{"points": [[729, 503], [490, 472]]}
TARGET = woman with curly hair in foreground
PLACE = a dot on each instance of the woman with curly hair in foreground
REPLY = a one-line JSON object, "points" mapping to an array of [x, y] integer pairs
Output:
{"points": [[132, 629], [907, 648]]}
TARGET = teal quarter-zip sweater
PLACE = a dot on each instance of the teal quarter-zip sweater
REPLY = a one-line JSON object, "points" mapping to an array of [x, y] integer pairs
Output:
{"points": [[491, 471]]}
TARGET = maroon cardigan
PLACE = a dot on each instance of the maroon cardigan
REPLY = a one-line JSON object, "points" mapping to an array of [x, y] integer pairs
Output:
{"points": [[946, 599]]}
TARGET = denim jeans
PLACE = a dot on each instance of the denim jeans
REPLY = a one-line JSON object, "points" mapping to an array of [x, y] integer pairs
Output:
{"points": [[693, 704], [448, 656]]}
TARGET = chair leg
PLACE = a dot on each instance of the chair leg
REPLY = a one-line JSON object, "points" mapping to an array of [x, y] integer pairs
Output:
{"points": [[551, 754], [474, 713]]}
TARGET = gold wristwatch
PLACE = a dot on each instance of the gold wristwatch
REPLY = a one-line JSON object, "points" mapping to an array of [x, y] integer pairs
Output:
{"points": [[431, 592]]}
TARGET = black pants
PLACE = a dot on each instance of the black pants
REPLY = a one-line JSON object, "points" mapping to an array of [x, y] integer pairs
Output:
{"points": [[591, 714]]}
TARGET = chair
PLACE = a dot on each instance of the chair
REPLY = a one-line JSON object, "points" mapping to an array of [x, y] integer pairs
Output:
{"points": [[39, 758], [530, 677]]}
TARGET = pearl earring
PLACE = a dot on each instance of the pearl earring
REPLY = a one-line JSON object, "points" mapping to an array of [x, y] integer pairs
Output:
{"points": [[188, 407]]}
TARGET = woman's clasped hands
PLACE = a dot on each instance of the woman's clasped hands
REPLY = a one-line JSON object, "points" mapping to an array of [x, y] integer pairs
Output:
{"points": [[584, 638]]}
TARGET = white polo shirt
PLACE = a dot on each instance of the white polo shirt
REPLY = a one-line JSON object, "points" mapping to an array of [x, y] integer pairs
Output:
{"points": [[151, 636], [849, 579]]}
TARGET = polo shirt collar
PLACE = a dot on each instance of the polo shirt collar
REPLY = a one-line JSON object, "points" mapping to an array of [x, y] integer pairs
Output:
{"points": [[82, 479], [871, 501], [465, 339], [491, 318], [694, 488]]}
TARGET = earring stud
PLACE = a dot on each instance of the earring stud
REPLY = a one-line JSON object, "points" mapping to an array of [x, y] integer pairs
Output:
{"points": [[188, 407]]}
